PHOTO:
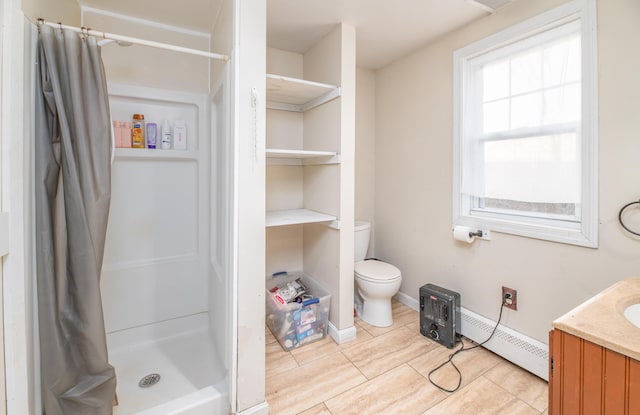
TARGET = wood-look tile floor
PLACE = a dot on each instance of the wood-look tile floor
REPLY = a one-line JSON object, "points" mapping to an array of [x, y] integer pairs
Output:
{"points": [[384, 371]]}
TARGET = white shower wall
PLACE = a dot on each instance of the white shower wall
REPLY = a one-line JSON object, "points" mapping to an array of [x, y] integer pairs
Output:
{"points": [[157, 239], [167, 256]]}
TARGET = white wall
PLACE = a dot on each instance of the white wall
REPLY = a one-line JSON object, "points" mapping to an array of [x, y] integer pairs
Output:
{"points": [[221, 39], [413, 165], [365, 148], [331, 188], [18, 39], [249, 68], [284, 184], [65, 11], [141, 65]]}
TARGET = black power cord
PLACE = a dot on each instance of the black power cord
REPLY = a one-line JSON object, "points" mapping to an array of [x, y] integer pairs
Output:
{"points": [[463, 349]]}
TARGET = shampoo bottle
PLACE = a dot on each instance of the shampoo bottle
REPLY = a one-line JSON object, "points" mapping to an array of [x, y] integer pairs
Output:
{"points": [[126, 134], [152, 134], [117, 133], [165, 141], [180, 135], [137, 131]]}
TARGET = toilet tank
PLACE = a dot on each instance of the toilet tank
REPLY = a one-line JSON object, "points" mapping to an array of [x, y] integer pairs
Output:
{"points": [[361, 240]]}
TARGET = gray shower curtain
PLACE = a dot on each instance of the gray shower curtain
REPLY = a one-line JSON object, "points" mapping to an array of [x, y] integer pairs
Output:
{"points": [[73, 180]]}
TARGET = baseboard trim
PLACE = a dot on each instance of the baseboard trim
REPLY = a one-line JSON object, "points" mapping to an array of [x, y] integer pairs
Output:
{"points": [[260, 409], [342, 336], [407, 300], [524, 351]]}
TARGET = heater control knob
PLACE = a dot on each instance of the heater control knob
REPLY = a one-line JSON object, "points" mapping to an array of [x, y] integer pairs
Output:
{"points": [[433, 332]]}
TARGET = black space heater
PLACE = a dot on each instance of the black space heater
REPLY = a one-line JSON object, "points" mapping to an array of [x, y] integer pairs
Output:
{"points": [[440, 314]]}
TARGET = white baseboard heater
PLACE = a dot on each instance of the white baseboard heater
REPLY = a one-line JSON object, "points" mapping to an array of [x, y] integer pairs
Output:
{"points": [[528, 353]]}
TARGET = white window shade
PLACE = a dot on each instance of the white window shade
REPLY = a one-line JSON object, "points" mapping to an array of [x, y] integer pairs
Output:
{"points": [[542, 169]]}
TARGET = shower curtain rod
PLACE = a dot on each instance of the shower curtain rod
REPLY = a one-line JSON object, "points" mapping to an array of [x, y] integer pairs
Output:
{"points": [[143, 42]]}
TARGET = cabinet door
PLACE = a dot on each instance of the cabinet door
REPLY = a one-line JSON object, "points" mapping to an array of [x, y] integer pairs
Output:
{"points": [[634, 387], [587, 379]]}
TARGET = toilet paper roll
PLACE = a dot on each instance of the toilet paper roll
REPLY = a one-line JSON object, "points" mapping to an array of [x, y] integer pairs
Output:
{"points": [[461, 233]]}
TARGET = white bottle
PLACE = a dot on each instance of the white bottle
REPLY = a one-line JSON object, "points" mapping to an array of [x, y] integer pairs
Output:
{"points": [[180, 135], [165, 141]]}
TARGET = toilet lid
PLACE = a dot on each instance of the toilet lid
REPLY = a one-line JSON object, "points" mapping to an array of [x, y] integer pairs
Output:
{"points": [[373, 270]]}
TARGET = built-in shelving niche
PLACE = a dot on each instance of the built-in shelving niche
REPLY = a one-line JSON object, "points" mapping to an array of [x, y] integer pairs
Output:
{"points": [[298, 95]]}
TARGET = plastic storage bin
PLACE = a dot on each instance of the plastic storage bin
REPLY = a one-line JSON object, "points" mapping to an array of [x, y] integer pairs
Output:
{"points": [[296, 324]]}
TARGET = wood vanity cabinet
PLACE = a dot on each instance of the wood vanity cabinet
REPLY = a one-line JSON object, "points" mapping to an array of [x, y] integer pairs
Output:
{"points": [[585, 378]]}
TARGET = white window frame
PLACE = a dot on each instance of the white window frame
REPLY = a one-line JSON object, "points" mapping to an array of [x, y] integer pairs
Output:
{"points": [[585, 231]]}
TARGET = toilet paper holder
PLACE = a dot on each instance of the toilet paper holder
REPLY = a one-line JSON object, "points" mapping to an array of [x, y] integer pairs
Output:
{"points": [[477, 234], [481, 234], [473, 233]]}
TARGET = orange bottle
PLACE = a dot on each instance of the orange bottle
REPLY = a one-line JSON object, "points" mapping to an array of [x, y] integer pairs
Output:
{"points": [[137, 131]]}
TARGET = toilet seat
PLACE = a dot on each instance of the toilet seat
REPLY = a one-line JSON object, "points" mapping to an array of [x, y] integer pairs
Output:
{"points": [[376, 271]]}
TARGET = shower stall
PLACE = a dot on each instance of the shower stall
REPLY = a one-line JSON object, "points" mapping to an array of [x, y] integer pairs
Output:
{"points": [[182, 277], [165, 284]]}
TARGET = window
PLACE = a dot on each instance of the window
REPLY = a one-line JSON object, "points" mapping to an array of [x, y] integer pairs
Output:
{"points": [[525, 125]]}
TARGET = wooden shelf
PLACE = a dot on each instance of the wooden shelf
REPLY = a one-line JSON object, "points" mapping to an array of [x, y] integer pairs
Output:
{"points": [[296, 217], [298, 95], [301, 157]]}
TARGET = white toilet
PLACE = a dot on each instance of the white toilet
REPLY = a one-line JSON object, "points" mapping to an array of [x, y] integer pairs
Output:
{"points": [[377, 281]]}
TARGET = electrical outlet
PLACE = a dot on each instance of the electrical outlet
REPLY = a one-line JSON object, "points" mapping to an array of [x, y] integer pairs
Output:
{"points": [[510, 298]]}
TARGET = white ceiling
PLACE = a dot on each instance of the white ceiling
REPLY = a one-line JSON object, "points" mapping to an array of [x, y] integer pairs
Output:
{"points": [[385, 29], [198, 15]]}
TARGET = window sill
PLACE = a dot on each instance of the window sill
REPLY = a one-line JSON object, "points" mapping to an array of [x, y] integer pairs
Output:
{"points": [[565, 235]]}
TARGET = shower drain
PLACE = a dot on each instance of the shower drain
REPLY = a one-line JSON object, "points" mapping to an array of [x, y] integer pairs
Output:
{"points": [[149, 380]]}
